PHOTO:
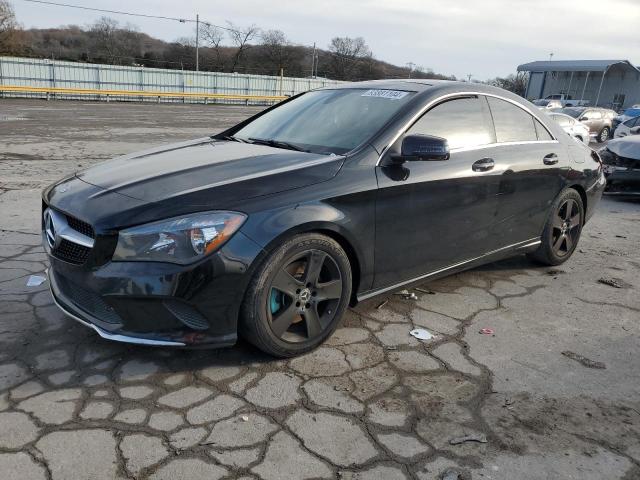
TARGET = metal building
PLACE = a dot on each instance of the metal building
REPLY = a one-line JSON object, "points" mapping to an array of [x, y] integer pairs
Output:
{"points": [[606, 83]]}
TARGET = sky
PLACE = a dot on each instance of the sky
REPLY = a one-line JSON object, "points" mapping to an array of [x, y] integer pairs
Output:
{"points": [[483, 39]]}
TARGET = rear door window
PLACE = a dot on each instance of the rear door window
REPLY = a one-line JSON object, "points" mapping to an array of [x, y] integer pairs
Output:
{"points": [[513, 124], [464, 122]]}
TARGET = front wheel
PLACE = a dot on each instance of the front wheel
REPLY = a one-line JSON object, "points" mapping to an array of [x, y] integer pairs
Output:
{"points": [[297, 297], [562, 230]]}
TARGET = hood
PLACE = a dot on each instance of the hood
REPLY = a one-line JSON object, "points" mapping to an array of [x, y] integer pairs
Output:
{"points": [[191, 170], [627, 147]]}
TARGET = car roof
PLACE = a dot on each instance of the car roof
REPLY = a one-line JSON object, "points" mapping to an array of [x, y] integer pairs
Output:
{"points": [[428, 87]]}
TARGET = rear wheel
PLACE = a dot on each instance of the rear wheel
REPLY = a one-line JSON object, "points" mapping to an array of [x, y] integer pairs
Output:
{"points": [[297, 296], [562, 230], [604, 135]]}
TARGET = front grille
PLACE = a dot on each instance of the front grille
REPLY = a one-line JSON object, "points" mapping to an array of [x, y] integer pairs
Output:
{"points": [[71, 252], [80, 226], [88, 301]]}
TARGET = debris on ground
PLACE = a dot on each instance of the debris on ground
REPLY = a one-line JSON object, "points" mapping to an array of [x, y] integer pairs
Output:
{"points": [[480, 438], [422, 290], [382, 304], [245, 418], [35, 280], [421, 334], [612, 282], [554, 271], [620, 236], [486, 331], [407, 295], [451, 474], [584, 360]]}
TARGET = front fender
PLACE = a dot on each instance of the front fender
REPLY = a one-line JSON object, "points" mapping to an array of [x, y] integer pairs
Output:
{"points": [[351, 225]]}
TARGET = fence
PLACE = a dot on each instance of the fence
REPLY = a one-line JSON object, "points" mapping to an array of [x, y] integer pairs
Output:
{"points": [[41, 78]]}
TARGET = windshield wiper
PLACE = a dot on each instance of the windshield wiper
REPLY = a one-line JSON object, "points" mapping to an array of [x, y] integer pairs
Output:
{"points": [[278, 144], [234, 139]]}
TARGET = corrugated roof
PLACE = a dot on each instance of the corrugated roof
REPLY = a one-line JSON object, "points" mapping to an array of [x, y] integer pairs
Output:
{"points": [[572, 65]]}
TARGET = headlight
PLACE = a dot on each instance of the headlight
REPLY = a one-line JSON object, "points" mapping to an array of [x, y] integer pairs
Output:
{"points": [[178, 240]]}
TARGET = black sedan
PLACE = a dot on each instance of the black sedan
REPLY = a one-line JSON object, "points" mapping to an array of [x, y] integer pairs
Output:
{"points": [[274, 227]]}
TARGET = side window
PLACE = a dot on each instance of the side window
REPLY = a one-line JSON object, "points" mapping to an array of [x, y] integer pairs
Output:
{"points": [[541, 132], [594, 115], [464, 122], [512, 123]]}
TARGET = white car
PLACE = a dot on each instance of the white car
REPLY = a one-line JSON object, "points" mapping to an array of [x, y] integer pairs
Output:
{"points": [[629, 127], [573, 127]]}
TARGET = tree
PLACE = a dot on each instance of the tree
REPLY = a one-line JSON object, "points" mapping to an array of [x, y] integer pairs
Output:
{"points": [[211, 37], [10, 38], [347, 52], [277, 49], [514, 83], [115, 44], [241, 38]]}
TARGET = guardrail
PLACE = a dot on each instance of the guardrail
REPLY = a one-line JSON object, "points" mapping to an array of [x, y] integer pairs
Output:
{"points": [[139, 93]]}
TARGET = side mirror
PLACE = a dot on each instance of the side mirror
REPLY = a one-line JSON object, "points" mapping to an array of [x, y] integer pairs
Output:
{"points": [[584, 119], [423, 148], [635, 131]]}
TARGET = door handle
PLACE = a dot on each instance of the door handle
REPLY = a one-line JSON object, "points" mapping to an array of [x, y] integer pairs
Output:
{"points": [[483, 165], [550, 159]]}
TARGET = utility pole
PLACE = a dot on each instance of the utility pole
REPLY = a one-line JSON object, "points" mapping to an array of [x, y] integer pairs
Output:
{"points": [[469, 77], [197, 42], [313, 59], [551, 56], [410, 66]]}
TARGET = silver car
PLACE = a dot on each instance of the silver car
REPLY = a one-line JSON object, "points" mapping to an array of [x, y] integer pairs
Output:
{"points": [[574, 128]]}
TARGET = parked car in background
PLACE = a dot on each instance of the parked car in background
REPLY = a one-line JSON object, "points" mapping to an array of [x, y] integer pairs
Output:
{"points": [[598, 120], [628, 114], [621, 165], [573, 127], [559, 100], [548, 104], [273, 227], [630, 127]]}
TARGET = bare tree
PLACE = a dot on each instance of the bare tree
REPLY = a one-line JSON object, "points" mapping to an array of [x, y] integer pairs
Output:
{"points": [[212, 36], [347, 52], [277, 49], [514, 83], [9, 30], [241, 38], [118, 44]]}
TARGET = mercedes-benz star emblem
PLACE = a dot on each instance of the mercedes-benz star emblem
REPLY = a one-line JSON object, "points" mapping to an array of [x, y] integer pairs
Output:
{"points": [[49, 229]]}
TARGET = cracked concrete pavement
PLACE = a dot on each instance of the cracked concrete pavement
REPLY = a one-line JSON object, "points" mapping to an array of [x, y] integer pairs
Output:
{"points": [[372, 403]]}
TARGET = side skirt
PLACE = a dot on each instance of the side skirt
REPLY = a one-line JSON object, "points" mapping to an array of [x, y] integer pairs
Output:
{"points": [[493, 256]]}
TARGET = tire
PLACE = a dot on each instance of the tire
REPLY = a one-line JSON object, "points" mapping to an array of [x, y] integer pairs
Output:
{"points": [[297, 296], [604, 135], [562, 230]]}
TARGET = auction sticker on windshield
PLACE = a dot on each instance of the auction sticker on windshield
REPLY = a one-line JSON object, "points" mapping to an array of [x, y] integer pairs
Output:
{"points": [[390, 94]]}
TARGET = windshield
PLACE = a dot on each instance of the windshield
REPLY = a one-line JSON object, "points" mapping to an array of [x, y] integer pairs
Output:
{"points": [[572, 112], [326, 121]]}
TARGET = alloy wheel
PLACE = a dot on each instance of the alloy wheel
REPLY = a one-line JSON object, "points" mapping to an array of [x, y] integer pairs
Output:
{"points": [[304, 295], [566, 228]]}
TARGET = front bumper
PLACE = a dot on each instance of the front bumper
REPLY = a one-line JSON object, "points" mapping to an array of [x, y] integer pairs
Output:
{"points": [[623, 182], [159, 304]]}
